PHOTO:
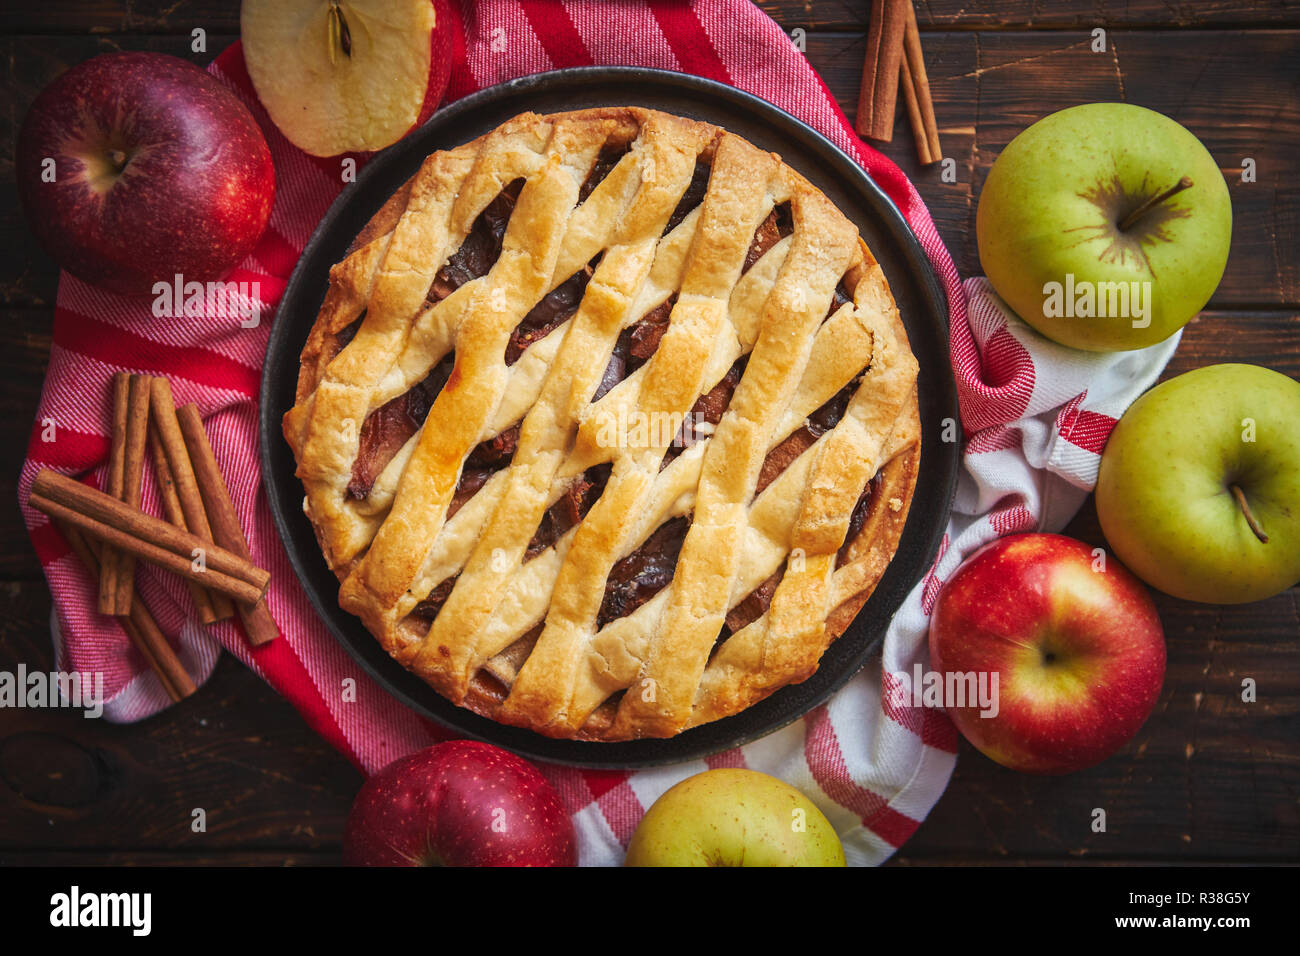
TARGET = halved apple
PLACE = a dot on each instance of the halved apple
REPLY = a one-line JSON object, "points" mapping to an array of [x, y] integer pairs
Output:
{"points": [[342, 76]]}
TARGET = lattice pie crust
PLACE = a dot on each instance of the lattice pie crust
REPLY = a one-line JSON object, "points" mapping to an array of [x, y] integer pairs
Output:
{"points": [[586, 420]]}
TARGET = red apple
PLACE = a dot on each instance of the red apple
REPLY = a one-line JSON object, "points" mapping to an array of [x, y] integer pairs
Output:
{"points": [[134, 167], [460, 803], [1073, 639]]}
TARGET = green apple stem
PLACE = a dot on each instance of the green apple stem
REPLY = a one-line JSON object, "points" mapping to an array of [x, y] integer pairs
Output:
{"points": [[1128, 221], [1238, 494]]}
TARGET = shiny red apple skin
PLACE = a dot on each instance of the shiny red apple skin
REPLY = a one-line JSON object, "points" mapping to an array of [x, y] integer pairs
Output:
{"points": [[193, 197], [1023, 597], [459, 803]]}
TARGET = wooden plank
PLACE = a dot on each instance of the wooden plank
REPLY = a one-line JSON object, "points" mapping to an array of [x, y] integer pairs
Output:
{"points": [[222, 16], [1208, 777], [151, 17], [24, 356], [996, 83], [1058, 14], [1271, 339], [170, 858], [1240, 93], [266, 782]]}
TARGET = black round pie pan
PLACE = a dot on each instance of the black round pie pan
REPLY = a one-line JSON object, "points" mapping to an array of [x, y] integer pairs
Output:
{"points": [[921, 302]]}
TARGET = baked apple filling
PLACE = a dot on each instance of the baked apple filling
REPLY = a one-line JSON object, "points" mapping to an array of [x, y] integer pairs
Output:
{"points": [[778, 224], [486, 459], [481, 248], [555, 308], [705, 413], [693, 196], [391, 425], [569, 510], [494, 653], [609, 156], [643, 573], [635, 345]]}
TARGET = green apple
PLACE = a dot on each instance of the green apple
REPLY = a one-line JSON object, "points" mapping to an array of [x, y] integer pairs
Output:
{"points": [[733, 817], [1199, 487], [1105, 226]]}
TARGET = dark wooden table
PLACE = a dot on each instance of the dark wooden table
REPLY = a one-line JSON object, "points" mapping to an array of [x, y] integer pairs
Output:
{"points": [[1208, 778]]}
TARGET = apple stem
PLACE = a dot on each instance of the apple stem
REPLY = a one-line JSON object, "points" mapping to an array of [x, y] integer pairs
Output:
{"points": [[118, 158], [1140, 211], [1245, 510]]}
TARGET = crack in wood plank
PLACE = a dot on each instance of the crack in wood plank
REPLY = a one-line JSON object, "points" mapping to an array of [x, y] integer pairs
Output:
{"points": [[980, 71]]}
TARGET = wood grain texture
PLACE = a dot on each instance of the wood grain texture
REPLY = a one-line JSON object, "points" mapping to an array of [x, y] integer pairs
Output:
{"points": [[1209, 778], [987, 15], [152, 17], [235, 749], [1239, 93]]}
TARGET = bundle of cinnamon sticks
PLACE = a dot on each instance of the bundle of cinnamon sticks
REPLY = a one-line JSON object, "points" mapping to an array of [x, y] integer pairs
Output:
{"points": [[200, 540], [894, 59]]}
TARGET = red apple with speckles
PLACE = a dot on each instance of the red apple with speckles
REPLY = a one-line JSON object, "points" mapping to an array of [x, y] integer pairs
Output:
{"points": [[460, 803], [1075, 642], [134, 167]]}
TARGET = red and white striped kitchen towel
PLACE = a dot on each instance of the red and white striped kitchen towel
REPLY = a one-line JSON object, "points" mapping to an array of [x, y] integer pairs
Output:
{"points": [[1035, 416]]}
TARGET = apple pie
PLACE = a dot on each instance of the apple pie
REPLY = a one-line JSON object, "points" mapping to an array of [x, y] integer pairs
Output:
{"points": [[607, 424]]}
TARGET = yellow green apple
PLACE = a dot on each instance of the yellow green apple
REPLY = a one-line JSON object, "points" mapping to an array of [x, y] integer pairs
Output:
{"points": [[734, 817], [1105, 226], [1199, 486]]}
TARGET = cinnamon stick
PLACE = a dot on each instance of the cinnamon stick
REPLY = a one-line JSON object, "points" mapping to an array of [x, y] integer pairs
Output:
{"points": [[197, 522], [914, 117], [258, 623], [137, 430], [140, 626], [172, 508], [878, 93], [113, 486], [916, 89], [148, 538]]}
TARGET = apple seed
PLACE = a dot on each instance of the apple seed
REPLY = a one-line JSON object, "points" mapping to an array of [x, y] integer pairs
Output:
{"points": [[340, 37]]}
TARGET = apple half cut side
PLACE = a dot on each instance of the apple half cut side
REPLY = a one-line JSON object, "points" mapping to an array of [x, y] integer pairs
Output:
{"points": [[340, 76]]}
